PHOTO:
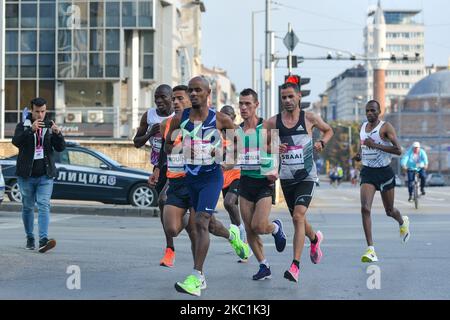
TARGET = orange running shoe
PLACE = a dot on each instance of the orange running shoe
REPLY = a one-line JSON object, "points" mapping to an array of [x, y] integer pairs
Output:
{"points": [[168, 259]]}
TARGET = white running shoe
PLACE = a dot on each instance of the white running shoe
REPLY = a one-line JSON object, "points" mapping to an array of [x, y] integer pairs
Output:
{"points": [[404, 230], [369, 256]]}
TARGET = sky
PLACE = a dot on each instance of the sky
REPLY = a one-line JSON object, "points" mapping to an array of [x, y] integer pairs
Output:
{"points": [[226, 35]]}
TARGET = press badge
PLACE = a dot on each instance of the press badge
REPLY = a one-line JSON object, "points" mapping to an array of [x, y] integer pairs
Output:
{"points": [[38, 153]]}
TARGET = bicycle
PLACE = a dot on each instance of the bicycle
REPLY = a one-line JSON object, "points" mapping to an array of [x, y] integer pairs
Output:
{"points": [[416, 186]]}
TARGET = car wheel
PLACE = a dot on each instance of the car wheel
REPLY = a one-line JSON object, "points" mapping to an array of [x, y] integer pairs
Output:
{"points": [[142, 196], [14, 194]]}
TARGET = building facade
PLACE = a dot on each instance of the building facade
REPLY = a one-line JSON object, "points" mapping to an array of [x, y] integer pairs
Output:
{"points": [[405, 37], [344, 97], [97, 62], [223, 91]]}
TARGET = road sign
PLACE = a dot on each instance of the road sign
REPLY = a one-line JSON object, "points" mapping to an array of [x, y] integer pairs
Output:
{"points": [[290, 40]]}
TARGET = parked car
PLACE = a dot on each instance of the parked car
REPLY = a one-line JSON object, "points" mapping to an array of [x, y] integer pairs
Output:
{"points": [[435, 179], [2, 185], [86, 174]]}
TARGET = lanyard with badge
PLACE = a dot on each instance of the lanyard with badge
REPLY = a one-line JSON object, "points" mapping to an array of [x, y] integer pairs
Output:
{"points": [[39, 149]]}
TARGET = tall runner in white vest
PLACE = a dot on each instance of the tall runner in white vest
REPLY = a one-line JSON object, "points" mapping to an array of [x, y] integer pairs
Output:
{"points": [[378, 142], [149, 130]]}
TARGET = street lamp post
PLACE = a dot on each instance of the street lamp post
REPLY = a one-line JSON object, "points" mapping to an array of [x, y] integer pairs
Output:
{"points": [[349, 141]]}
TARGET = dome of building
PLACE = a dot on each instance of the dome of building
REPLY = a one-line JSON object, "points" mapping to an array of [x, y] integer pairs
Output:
{"points": [[431, 86]]}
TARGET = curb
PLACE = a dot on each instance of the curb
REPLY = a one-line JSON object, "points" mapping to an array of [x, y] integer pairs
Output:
{"points": [[102, 210]]}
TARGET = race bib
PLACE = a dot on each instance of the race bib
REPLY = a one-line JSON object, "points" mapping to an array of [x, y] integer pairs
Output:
{"points": [[250, 159], [293, 157], [368, 153], [38, 153], [201, 152], [175, 162]]}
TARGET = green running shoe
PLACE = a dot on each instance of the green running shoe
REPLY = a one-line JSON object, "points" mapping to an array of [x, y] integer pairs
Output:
{"points": [[191, 285], [240, 247]]}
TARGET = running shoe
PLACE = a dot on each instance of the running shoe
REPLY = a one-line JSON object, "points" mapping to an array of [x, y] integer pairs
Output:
{"points": [[369, 256], [279, 237], [168, 259], [191, 285], [46, 244], [30, 244], [263, 273], [404, 230], [239, 246], [292, 273], [246, 260], [315, 253]]}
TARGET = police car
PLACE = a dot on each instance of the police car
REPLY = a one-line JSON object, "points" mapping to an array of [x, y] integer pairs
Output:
{"points": [[85, 174]]}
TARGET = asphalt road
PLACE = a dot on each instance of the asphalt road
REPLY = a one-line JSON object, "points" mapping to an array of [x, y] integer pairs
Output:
{"points": [[118, 256]]}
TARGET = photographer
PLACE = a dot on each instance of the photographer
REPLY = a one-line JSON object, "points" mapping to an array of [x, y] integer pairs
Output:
{"points": [[37, 138]]}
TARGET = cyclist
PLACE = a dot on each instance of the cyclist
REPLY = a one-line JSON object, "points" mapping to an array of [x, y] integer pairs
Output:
{"points": [[415, 159]]}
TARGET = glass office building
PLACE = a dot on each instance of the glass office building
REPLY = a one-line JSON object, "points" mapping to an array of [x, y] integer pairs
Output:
{"points": [[82, 56]]}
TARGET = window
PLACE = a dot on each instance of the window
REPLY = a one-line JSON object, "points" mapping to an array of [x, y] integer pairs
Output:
{"points": [[27, 92], [79, 158], [12, 40], [95, 65], [96, 43], [46, 41], [148, 67], [145, 13], [28, 41], [12, 16], [64, 40], [79, 65], [47, 65], [112, 40], [12, 66], [113, 14], [112, 68], [64, 65], [29, 14], [47, 15], [80, 40], [28, 66], [11, 87], [128, 14], [47, 91], [96, 14]]}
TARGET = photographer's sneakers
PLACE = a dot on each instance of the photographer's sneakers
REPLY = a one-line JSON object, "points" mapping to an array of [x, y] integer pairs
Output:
{"points": [[46, 244], [30, 244]]}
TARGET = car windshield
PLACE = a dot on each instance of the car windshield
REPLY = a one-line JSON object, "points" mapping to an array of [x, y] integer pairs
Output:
{"points": [[113, 162]]}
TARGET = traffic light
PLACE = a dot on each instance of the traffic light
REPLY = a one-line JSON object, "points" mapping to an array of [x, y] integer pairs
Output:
{"points": [[299, 81]]}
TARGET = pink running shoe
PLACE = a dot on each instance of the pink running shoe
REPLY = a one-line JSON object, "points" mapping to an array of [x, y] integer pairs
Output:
{"points": [[292, 273], [315, 252]]}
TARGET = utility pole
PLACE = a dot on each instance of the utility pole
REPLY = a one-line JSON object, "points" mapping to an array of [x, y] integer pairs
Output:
{"points": [[2, 69], [290, 51], [269, 66]]}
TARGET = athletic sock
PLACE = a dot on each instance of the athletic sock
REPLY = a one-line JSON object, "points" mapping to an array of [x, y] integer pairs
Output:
{"points": [[242, 230], [371, 248], [315, 239], [198, 274], [296, 262], [276, 228], [231, 237], [264, 262]]}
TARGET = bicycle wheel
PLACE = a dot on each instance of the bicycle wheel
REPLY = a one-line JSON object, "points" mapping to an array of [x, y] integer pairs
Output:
{"points": [[416, 194]]}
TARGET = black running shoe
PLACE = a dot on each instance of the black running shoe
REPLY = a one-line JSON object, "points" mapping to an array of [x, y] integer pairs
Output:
{"points": [[46, 244], [30, 244]]}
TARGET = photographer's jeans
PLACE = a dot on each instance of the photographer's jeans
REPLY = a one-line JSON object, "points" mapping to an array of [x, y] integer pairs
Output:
{"points": [[411, 177], [36, 190]]}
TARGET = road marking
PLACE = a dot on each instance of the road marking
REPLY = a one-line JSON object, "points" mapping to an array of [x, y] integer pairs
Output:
{"points": [[14, 225], [434, 199]]}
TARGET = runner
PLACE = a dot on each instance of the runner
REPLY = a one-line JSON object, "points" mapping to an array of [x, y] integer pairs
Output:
{"points": [[257, 184], [378, 143], [200, 127], [230, 189], [178, 200], [149, 130], [298, 174]]}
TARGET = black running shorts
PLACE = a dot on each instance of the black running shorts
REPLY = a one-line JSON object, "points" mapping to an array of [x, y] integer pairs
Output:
{"points": [[178, 195], [297, 193], [253, 189], [382, 178], [233, 188]]}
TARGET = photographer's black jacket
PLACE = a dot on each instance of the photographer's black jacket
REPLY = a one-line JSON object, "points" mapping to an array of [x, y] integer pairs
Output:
{"points": [[24, 140]]}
